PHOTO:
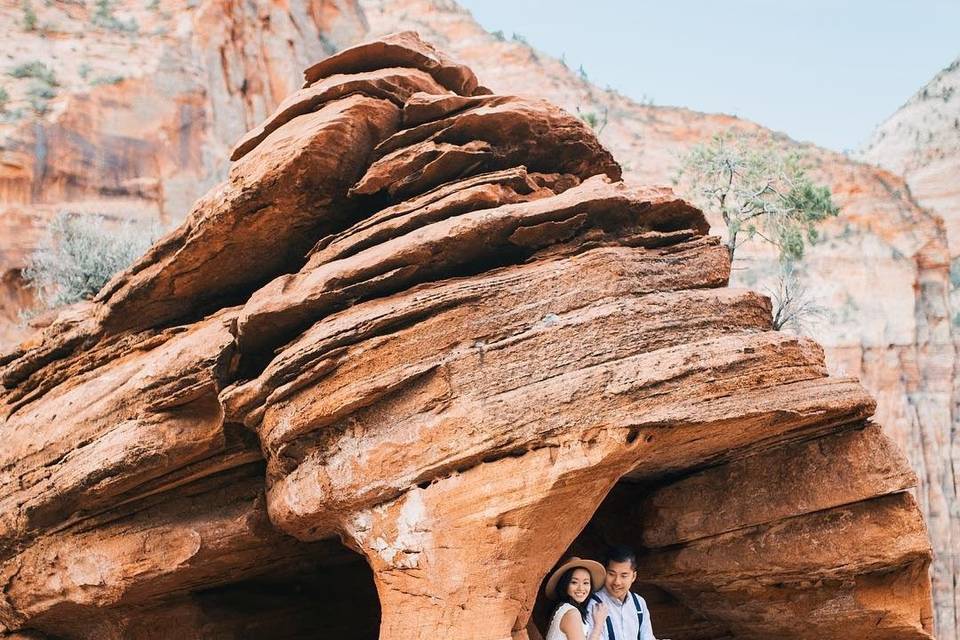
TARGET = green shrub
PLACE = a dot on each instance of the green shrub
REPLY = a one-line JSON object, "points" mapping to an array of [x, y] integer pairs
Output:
{"points": [[41, 90], [29, 16], [4, 99], [596, 121], [39, 94], [103, 17], [35, 69], [80, 255], [39, 105], [113, 79]]}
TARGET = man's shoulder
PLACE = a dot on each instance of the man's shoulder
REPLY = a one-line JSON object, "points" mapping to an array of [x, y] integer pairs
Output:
{"points": [[638, 599]]}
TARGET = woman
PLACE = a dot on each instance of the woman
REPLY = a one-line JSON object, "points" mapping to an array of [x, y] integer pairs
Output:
{"points": [[571, 585]]}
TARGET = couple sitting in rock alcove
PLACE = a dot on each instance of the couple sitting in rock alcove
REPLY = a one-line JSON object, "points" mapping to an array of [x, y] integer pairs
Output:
{"points": [[594, 601]]}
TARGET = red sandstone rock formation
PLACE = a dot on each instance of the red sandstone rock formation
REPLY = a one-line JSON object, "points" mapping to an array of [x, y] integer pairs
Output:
{"points": [[142, 124], [883, 271], [433, 324]]}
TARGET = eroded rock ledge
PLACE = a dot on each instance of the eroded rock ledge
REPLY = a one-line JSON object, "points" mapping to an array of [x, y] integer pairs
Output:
{"points": [[433, 324]]}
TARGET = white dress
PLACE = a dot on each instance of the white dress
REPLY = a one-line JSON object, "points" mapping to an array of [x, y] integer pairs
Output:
{"points": [[554, 632]]}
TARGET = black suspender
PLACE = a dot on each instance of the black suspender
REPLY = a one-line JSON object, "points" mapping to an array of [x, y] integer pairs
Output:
{"points": [[636, 603]]}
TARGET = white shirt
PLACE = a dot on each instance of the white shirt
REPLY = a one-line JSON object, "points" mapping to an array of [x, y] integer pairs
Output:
{"points": [[624, 618], [554, 633]]}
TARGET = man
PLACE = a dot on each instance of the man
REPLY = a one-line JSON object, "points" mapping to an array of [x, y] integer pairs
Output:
{"points": [[627, 615]]}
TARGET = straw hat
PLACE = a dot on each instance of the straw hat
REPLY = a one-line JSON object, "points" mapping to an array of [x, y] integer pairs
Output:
{"points": [[597, 575]]}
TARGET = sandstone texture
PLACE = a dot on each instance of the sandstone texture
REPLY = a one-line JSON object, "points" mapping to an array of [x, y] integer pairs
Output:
{"points": [[418, 345], [921, 142], [151, 99], [882, 272]]}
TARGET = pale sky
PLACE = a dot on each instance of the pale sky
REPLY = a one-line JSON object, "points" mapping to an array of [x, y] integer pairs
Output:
{"points": [[823, 71]]}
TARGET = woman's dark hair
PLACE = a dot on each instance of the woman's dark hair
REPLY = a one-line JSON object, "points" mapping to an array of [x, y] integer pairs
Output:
{"points": [[564, 598]]}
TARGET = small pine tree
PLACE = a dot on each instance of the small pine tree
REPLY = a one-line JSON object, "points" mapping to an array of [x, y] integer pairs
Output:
{"points": [[758, 192], [80, 255], [761, 192]]}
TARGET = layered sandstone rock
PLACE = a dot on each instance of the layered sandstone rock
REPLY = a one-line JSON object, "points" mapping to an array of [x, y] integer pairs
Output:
{"points": [[882, 272], [434, 324], [144, 119]]}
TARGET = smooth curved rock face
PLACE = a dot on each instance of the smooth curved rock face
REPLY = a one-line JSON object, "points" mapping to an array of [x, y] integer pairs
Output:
{"points": [[440, 329]]}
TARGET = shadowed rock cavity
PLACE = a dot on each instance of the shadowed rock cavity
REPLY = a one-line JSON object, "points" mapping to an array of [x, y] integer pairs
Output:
{"points": [[434, 325], [733, 551]]}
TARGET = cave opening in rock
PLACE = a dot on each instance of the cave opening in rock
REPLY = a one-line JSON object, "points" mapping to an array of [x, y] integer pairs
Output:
{"points": [[330, 592], [616, 522], [304, 590], [788, 540]]}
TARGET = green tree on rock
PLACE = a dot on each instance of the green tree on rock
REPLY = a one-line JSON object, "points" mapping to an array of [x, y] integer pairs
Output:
{"points": [[758, 192], [761, 192]]}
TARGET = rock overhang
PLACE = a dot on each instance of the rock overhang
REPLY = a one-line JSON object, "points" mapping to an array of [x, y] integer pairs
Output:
{"points": [[450, 331]]}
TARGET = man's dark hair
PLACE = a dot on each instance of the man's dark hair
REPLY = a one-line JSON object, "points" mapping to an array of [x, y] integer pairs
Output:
{"points": [[620, 553]]}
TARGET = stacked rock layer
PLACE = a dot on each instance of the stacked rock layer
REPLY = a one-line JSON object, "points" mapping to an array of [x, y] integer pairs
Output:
{"points": [[421, 343]]}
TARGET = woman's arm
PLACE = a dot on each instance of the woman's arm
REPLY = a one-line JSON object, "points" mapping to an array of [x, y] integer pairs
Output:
{"points": [[598, 616], [596, 633], [572, 625]]}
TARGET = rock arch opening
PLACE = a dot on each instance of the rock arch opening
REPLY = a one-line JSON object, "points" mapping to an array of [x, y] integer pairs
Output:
{"points": [[816, 538]]}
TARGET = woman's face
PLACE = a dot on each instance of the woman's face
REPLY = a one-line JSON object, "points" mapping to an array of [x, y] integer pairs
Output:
{"points": [[579, 587]]}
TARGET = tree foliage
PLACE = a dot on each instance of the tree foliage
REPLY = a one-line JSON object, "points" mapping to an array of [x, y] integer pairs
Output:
{"points": [[758, 191], [80, 255]]}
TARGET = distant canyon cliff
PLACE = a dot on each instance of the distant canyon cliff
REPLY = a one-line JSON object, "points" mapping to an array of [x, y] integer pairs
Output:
{"points": [[146, 99]]}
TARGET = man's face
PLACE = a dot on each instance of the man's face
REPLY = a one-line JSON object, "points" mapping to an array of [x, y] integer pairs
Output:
{"points": [[620, 575]]}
